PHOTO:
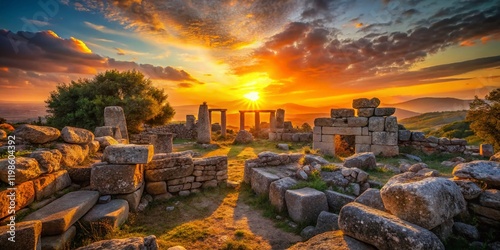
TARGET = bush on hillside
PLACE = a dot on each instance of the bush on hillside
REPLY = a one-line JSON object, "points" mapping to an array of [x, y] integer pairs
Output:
{"points": [[81, 103], [484, 117]]}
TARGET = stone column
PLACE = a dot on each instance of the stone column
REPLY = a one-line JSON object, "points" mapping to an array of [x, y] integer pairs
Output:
{"points": [[242, 120], [280, 118], [257, 120], [272, 121], [190, 120], [115, 117], [204, 128], [210, 117], [163, 143], [223, 122]]}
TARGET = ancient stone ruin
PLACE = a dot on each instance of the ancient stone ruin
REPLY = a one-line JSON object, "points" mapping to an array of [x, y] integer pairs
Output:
{"points": [[374, 129]]}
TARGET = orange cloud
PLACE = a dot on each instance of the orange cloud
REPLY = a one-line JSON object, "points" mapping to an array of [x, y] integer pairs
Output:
{"points": [[359, 25], [81, 46]]}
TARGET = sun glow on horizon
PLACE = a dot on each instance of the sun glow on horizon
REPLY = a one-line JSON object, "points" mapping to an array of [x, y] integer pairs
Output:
{"points": [[252, 96]]}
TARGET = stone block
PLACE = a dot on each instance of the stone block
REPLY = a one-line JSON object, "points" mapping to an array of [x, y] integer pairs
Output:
{"points": [[357, 121], [385, 138], [376, 124], [59, 242], [139, 243], [486, 150], [23, 195], [384, 111], [37, 134], [362, 148], [107, 217], [417, 136], [117, 179], [287, 137], [210, 184], [45, 186], [108, 131], [134, 198], [157, 187], [328, 138], [305, 204], [277, 191], [27, 235], [457, 141], [365, 103], [323, 122], [338, 113], [385, 150], [114, 116], [261, 180], [340, 122], [391, 124], [76, 135], [19, 170], [128, 154], [72, 154], [341, 131], [105, 141], [62, 179], [62, 213], [363, 161], [48, 160], [372, 198], [365, 131], [272, 136], [391, 232], [490, 198], [326, 148], [432, 200], [165, 174], [485, 171], [404, 135], [365, 112], [363, 139], [337, 200]]}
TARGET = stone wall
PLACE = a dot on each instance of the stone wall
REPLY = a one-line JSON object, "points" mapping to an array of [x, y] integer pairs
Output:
{"points": [[432, 144], [180, 131], [291, 137], [375, 129]]}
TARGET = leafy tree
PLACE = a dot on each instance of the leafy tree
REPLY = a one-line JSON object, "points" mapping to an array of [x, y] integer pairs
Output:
{"points": [[2, 120], [484, 117], [306, 127], [82, 103]]}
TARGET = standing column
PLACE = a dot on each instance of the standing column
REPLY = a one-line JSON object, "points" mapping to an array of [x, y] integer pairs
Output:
{"points": [[280, 118], [210, 118], [223, 122], [272, 121], [242, 120], [204, 131], [257, 121]]}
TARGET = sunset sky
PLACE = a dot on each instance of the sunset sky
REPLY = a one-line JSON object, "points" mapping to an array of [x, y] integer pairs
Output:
{"points": [[313, 53]]}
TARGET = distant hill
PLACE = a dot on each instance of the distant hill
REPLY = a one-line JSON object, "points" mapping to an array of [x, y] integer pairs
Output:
{"points": [[433, 120], [432, 104], [403, 113]]}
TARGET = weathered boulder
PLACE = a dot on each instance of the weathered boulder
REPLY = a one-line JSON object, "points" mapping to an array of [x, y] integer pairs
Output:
{"points": [[45, 186], [128, 154], [404, 135], [62, 241], [376, 123], [26, 235], [365, 103], [335, 240], [156, 187], [105, 141], [495, 157], [108, 131], [417, 136], [465, 230], [384, 230], [341, 113], [384, 111], [76, 135], [310, 159], [37, 134], [139, 243], [337, 200], [490, 198], [23, 196], [107, 217], [363, 161], [487, 212], [326, 222], [19, 170], [49, 160], [62, 179], [116, 179], [261, 180], [486, 171], [81, 174], [470, 190], [72, 154], [243, 137], [283, 146], [372, 198], [305, 204], [444, 231], [427, 202], [94, 147], [62, 213], [277, 191]]}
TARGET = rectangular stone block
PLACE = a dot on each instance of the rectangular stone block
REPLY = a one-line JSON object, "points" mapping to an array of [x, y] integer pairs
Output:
{"points": [[328, 138], [261, 180], [384, 111], [337, 200], [166, 174], [323, 122], [305, 204], [62, 179], [363, 139], [157, 187], [24, 194], [133, 198], [327, 148], [337, 113], [385, 150], [404, 135], [45, 186], [361, 148], [376, 124], [357, 121], [272, 136], [317, 137], [340, 122], [128, 154], [62, 213], [365, 131], [27, 236], [391, 124], [117, 179], [317, 130], [341, 131], [57, 242], [385, 138], [365, 112]]}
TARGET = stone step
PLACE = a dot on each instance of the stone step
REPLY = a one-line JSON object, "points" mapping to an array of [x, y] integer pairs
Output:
{"points": [[107, 216], [62, 213]]}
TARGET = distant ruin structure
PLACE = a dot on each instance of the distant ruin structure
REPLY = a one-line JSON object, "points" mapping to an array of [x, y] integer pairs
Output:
{"points": [[223, 120], [272, 118]]}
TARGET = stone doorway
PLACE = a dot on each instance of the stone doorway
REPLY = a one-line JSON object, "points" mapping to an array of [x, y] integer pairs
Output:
{"points": [[345, 145]]}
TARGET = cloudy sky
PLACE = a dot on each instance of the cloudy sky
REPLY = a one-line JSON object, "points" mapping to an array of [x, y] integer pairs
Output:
{"points": [[314, 52]]}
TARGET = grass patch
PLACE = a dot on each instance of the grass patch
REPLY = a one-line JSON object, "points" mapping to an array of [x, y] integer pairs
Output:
{"points": [[314, 181], [330, 168]]}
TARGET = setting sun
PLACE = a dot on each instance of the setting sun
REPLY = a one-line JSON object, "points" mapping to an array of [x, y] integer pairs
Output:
{"points": [[252, 96]]}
